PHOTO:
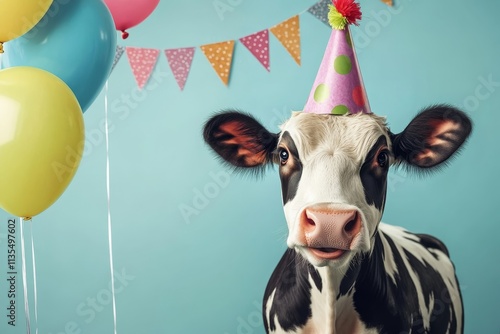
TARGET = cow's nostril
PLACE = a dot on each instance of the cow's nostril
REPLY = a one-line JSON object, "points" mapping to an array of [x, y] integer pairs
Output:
{"points": [[310, 222], [351, 225]]}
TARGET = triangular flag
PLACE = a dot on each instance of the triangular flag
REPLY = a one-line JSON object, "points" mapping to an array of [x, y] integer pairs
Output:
{"points": [[118, 54], [142, 61], [220, 56], [258, 45], [180, 63], [288, 33], [320, 11]]}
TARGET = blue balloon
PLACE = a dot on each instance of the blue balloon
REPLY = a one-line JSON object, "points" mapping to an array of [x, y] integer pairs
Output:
{"points": [[75, 40]]}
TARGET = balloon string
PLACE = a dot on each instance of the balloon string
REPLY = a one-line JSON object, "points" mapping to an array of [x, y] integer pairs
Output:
{"points": [[110, 237], [35, 293], [25, 285]]}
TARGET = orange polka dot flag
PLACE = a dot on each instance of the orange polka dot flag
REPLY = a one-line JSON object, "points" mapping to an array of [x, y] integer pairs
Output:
{"points": [[338, 88]]}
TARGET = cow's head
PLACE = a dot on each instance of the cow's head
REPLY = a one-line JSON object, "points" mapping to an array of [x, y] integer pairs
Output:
{"points": [[333, 169]]}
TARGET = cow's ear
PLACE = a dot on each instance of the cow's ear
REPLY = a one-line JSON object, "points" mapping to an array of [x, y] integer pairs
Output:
{"points": [[240, 140], [432, 137]]}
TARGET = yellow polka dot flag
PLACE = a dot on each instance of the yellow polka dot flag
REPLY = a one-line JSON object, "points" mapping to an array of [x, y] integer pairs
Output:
{"points": [[288, 33], [220, 56]]}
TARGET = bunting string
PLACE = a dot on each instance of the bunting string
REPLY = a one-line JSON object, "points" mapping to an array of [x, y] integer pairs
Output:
{"points": [[220, 55]]}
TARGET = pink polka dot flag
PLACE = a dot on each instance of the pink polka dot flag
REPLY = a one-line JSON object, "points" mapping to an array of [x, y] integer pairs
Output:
{"points": [[258, 45], [220, 56], [180, 62], [142, 61]]}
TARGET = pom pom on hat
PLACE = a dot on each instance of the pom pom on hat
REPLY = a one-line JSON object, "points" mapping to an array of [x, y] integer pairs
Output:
{"points": [[344, 12]]}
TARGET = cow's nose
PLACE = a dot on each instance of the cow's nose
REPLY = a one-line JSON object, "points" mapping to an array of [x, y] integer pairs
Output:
{"points": [[329, 228]]}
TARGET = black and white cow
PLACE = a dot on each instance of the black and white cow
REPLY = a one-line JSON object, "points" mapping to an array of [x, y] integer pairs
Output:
{"points": [[344, 271]]}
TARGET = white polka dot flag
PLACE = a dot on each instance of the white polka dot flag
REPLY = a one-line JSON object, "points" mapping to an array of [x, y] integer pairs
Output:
{"points": [[258, 45], [142, 61], [118, 54], [220, 56], [180, 62], [320, 11], [288, 33]]}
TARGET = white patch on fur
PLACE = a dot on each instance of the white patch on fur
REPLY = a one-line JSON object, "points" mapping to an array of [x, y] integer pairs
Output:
{"points": [[389, 264], [269, 304]]}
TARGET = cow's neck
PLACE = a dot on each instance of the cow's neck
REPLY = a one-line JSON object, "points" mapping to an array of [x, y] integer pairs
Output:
{"points": [[336, 301], [332, 308], [321, 300]]}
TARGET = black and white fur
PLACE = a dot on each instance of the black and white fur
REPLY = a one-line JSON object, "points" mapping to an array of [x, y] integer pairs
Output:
{"points": [[344, 271]]}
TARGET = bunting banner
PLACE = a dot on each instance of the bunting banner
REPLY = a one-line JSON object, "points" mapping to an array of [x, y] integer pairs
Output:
{"points": [[142, 61], [258, 45], [320, 11], [220, 56], [288, 33], [180, 63], [118, 54]]}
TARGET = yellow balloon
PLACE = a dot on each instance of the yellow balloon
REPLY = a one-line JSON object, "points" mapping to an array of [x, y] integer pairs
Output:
{"points": [[41, 139], [17, 17]]}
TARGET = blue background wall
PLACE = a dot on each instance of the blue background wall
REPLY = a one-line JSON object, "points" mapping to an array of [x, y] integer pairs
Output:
{"points": [[206, 273]]}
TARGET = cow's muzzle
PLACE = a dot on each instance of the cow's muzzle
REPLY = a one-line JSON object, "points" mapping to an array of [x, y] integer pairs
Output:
{"points": [[329, 232]]}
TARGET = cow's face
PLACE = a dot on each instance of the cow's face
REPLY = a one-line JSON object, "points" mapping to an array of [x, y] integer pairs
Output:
{"points": [[333, 172], [333, 169]]}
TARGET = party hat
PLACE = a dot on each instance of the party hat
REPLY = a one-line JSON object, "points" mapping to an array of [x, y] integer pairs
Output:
{"points": [[338, 88]]}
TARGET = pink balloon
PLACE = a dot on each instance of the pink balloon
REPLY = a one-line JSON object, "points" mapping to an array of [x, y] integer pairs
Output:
{"points": [[129, 13]]}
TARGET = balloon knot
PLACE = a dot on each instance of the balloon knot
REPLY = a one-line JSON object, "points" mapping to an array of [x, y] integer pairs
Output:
{"points": [[124, 34], [26, 218], [1, 47]]}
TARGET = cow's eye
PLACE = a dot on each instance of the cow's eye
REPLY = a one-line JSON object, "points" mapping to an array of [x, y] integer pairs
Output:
{"points": [[383, 159], [283, 155]]}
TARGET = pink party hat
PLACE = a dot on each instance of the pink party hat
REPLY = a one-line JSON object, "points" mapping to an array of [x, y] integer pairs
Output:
{"points": [[338, 88]]}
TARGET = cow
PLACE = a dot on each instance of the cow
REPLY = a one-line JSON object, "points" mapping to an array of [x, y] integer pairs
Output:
{"points": [[344, 270]]}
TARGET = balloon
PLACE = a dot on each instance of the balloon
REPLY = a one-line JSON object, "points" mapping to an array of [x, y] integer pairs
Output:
{"points": [[76, 41], [17, 17], [129, 13], [41, 139]]}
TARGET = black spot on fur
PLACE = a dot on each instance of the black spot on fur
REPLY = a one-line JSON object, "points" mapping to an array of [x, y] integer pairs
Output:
{"points": [[292, 299], [291, 172], [394, 308], [374, 177]]}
